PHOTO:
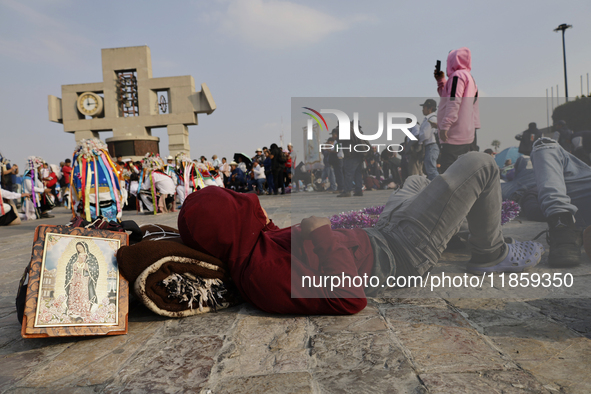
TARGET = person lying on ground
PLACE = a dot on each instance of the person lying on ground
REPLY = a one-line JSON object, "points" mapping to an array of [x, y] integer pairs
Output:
{"points": [[267, 263], [564, 195]]}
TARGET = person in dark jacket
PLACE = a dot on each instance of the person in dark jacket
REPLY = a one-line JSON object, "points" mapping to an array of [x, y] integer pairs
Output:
{"points": [[582, 142], [563, 135], [278, 160], [527, 138], [268, 164], [237, 178]]}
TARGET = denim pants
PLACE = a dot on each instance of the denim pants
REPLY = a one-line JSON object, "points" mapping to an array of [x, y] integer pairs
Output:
{"points": [[338, 174], [523, 180], [431, 155], [270, 185], [422, 217], [328, 172], [564, 181], [353, 172], [258, 182]]}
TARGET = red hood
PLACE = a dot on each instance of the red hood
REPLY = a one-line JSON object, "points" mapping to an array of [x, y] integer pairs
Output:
{"points": [[222, 223], [459, 59]]}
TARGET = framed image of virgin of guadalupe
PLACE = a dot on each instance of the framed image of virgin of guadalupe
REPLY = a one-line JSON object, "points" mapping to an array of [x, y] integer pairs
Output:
{"points": [[75, 287]]}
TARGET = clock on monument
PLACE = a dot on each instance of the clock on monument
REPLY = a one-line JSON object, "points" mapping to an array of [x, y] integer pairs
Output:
{"points": [[90, 104]]}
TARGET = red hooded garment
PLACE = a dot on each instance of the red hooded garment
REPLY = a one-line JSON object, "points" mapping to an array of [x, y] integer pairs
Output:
{"points": [[231, 226]]}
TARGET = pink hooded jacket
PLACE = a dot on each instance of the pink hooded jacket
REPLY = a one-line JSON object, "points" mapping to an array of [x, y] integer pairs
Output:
{"points": [[457, 114]]}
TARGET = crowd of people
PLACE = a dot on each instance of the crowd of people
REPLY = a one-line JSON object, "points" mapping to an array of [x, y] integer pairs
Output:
{"points": [[269, 171], [148, 185]]}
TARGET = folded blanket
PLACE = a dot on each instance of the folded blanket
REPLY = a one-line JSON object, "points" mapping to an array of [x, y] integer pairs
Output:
{"points": [[174, 280]]}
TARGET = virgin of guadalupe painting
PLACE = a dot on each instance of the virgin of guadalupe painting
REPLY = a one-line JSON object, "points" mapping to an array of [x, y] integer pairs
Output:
{"points": [[82, 273], [79, 282]]}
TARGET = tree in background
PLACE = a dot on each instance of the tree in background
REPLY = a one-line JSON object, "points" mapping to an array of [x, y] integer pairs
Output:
{"points": [[576, 114], [496, 144]]}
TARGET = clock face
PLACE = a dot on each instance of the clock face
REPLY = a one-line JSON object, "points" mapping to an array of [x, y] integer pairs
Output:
{"points": [[90, 104]]}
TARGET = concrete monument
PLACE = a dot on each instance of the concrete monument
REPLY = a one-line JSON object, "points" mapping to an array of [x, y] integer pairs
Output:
{"points": [[129, 102]]}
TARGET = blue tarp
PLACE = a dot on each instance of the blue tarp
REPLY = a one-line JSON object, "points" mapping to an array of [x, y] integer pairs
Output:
{"points": [[509, 153]]}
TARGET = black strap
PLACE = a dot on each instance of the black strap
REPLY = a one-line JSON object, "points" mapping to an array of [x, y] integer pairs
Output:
{"points": [[454, 86]]}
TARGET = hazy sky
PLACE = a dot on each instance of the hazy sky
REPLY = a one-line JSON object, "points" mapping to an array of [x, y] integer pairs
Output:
{"points": [[255, 55]]}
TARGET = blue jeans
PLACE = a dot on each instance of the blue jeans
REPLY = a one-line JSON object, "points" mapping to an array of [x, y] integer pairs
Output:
{"points": [[523, 180], [328, 172], [564, 181], [259, 182], [431, 155], [270, 184], [353, 173], [338, 174]]}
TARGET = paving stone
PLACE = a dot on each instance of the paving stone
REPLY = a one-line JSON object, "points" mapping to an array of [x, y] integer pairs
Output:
{"points": [[559, 365], [574, 313], [263, 345], [440, 339], [168, 366], [282, 383], [368, 320], [408, 316], [437, 348], [506, 382], [16, 366], [512, 318], [360, 381], [89, 361], [217, 323], [346, 351], [361, 362]]}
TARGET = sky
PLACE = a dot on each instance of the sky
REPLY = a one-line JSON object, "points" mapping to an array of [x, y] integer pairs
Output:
{"points": [[255, 55]]}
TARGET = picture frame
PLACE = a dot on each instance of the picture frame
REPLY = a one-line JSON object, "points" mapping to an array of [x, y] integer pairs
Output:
{"points": [[74, 286]]}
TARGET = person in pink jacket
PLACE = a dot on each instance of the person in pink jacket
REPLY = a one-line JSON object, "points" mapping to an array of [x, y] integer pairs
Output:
{"points": [[458, 116]]}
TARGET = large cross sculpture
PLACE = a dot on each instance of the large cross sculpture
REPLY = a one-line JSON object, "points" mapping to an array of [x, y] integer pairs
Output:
{"points": [[129, 102]]}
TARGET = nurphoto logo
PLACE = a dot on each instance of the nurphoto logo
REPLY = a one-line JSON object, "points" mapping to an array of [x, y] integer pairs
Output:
{"points": [[345, 125]]}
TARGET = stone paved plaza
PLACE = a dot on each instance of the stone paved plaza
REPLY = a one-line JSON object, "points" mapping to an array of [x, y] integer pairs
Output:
{"points": [[406, 341]]}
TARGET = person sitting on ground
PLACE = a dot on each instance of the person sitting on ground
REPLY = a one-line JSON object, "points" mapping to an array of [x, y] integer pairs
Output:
{"points": [[564, 194], [258, 178], [8, 215], [372, 175], [156, 180], [267, 263], [241, 164], [237, 178]]}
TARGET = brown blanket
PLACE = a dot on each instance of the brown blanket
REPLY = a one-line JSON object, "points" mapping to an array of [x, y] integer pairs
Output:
{"points": [[174, 280]]}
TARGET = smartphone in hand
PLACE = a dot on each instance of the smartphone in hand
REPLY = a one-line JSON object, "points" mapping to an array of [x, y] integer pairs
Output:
{"points": [[438, 66]]}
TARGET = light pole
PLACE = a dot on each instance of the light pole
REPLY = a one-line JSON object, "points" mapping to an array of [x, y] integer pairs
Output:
{"points": [[562, 28]]}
